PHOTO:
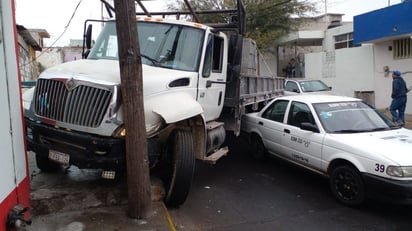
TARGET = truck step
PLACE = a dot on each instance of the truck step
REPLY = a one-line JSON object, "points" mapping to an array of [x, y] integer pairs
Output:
{"points": [[216, 156]]}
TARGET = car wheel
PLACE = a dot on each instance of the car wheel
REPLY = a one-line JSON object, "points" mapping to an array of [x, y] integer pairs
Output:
{"points": [[46, 165], [181, 167], [259, 151], [347, 185]]}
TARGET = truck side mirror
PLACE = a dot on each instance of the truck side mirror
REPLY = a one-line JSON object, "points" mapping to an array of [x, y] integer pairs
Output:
{"points": [[89, 36], [88, 40]]}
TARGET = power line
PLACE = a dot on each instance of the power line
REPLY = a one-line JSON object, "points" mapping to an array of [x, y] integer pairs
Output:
{"points": [[64, 31]]}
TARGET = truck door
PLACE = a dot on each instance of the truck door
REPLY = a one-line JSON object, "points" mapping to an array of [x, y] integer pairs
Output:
{"points": [[212, 80]]}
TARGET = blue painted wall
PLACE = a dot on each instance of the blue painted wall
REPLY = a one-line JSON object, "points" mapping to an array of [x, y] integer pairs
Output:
{"points": [[387, 22]]}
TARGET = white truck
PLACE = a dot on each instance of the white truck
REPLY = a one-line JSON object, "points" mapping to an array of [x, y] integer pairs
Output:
{"points": [[198, 81]]}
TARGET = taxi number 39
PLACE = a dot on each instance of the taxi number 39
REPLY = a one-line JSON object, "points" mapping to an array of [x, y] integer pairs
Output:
{"points": [[379, 167]]}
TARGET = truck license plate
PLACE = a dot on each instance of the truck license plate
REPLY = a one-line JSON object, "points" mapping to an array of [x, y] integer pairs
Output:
{"points": [[59, 157]]}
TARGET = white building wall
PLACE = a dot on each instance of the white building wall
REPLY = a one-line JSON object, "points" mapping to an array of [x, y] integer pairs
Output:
{"points": [[356, 71], [383, 82], [314, 65], [347, 71], [329, 40], [50, 57]]}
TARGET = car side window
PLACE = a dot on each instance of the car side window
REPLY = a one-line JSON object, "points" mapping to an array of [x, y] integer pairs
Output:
{"points": [[291, 86], [276, 111], [299, 113]]}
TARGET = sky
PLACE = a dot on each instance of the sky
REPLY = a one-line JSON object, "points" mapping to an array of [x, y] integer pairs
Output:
{"points": [[54, 15]]}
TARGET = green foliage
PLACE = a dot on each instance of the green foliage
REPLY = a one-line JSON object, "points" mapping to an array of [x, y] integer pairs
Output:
{"points": [[270, 19], [201, 5], [266, 20]]}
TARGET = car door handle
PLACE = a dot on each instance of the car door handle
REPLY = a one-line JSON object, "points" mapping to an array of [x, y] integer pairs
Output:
{"points": [[286, 131], [260, 123]]}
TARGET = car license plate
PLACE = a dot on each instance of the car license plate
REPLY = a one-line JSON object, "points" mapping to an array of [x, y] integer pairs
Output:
{"points": [[59, 157]]}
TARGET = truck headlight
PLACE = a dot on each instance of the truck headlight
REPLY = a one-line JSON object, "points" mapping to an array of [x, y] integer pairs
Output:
{"points": [[399, 171], [150, 130], [120, 132]]}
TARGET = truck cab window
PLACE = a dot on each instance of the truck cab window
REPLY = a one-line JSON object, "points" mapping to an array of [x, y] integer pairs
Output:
{"points": [[207, 66], [213, 55], [217, 54]]}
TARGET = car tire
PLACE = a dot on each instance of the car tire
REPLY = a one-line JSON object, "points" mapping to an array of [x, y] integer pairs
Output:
{"points": [[181, 167], [259, 151], [46, 165], [347, 185]]}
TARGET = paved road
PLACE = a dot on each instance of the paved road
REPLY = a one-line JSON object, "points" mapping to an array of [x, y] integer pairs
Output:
{"points": [[239, 193]]}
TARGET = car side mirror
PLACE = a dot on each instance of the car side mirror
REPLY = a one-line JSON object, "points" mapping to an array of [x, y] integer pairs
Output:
{"points": [[296, 90], [330, 88], [309, 127]]}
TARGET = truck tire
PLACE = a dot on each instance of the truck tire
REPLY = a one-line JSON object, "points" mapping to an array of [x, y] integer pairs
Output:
{"points": [[181, 167], [347, 185], [46, 165]]}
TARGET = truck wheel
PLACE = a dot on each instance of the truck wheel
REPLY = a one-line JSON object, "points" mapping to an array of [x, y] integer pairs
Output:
{"points": [[347, 185], [259, 151], [46, 165], [181, 167]]}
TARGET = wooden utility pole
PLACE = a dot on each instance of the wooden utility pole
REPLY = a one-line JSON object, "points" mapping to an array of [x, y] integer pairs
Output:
{"points": [[138, 179]]}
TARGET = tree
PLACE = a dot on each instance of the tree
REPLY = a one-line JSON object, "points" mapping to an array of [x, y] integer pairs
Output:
{"points": [[202, 5], [270, 19], [266, 19]]}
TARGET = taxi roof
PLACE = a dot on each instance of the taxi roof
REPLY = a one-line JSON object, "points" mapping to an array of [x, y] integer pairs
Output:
{"points": [[319, 98]]}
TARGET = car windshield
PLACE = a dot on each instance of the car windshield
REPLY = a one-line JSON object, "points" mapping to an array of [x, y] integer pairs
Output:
{"points": [[313, 85], [351, 117], [161, 45]]}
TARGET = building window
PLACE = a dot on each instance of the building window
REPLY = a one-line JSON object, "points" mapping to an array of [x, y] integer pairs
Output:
{"points": [[344, 41], [402, 48]]}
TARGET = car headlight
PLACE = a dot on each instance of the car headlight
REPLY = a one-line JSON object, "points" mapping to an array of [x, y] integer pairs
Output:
{"points": [[399, 171]]}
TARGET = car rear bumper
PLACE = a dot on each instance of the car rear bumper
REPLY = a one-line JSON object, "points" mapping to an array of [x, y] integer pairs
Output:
{"points": [[388, 190]]}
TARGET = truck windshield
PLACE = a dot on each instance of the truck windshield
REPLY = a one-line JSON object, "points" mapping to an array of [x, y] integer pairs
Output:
{"points": [[161, 45]]}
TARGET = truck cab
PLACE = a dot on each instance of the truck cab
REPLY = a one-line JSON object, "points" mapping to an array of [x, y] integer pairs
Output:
{"points": [[193, 93]]}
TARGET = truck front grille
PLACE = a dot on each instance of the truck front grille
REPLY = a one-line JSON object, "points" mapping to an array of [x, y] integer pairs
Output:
{"points": [[80, 105]]}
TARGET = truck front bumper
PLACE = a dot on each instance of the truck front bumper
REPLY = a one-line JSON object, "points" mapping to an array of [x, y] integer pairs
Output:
{"points": [[388, 190], [85, 150]]}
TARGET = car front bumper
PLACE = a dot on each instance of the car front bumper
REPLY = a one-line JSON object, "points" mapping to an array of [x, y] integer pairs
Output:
{"points": [[388, 190]]}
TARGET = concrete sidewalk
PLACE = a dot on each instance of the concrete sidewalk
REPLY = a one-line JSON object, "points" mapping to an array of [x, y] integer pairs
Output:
{"points": [[78, 199], [408, 118], [101, 219]]}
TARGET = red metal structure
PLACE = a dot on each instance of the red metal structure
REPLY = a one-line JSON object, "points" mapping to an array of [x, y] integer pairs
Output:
{"points": [[14, 178]]}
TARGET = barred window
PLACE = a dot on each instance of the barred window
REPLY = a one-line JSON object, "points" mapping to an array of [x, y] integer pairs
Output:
{"points": [[402, 48], [344, 41]]}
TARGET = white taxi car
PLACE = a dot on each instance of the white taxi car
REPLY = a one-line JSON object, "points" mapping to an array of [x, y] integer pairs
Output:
{"points": [[361, 151]]}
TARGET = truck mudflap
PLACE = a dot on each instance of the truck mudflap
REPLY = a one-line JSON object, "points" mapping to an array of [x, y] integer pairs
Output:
{"points": [[86, 150]]}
